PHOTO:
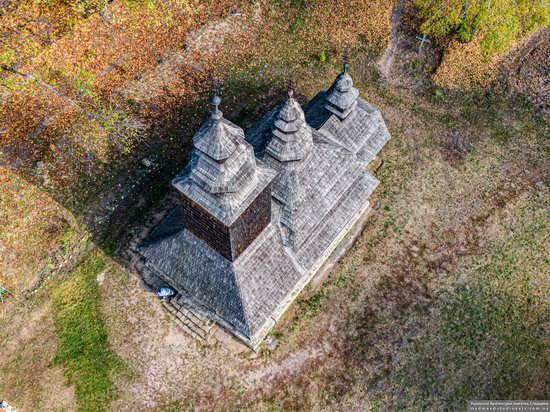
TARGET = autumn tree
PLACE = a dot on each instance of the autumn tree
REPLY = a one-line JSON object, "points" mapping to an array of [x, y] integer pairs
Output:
{"points": [[497, 22]]}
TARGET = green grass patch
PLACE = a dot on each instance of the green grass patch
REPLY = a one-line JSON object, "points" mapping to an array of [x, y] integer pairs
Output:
{"points": [[488, 340], [83, 349], [67, 239]]}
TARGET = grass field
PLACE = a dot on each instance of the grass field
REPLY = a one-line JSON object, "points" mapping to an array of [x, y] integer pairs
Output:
{"points": [[83, 349], [487, 338], [443, 298]]}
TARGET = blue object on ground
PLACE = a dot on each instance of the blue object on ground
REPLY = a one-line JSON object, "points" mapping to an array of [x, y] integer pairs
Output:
{"points": [[165, 293]]}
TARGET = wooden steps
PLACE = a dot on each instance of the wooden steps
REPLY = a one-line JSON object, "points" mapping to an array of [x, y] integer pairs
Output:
{"points": [[196, 324]]}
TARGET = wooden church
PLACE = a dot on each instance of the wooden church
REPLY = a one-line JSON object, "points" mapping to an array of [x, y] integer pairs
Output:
{"points": [[260, 213]]}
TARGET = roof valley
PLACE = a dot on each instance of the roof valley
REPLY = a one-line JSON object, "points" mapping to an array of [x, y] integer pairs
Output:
{"points": [[293, 202]]}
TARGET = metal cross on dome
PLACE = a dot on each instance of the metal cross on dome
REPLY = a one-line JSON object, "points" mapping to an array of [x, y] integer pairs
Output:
{"points": [[290, 86], [345, 67], [345, 62], [213, 85], [215, 100]]}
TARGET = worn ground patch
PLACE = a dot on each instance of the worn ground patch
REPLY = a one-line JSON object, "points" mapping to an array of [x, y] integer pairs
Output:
{"points": [[28, 379]]}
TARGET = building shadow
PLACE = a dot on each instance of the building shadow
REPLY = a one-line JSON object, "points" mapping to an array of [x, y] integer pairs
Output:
{"points": [[120, 201]]}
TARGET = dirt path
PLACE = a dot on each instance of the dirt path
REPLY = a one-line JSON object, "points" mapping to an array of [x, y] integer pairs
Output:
{"points": [[404, 64], [386, 61]]}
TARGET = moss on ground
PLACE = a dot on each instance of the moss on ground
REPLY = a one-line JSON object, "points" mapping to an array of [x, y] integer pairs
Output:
{"points": [[84, 350]]}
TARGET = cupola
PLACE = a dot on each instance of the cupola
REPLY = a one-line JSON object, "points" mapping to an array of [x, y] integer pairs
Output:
{"points": [[341, 97], [291, 136], [225, 191]]}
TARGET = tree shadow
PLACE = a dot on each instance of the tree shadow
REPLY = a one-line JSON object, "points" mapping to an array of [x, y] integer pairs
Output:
{"points": [[120, 201]]}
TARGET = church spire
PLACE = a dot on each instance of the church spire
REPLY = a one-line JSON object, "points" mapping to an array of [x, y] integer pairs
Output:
{"points": [[341, 97], [225, 194], [291, 136]]}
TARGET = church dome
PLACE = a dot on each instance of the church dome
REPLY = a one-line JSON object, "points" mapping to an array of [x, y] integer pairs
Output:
{"points": [[341, 97], [291, 136]]}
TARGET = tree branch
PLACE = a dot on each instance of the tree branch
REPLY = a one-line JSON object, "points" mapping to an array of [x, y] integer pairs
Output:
{"points": [[49, 88]]}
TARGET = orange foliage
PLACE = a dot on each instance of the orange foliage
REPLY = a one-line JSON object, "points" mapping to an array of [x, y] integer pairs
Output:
{"points": [[466, 67], [347, 23], [105, 73]]}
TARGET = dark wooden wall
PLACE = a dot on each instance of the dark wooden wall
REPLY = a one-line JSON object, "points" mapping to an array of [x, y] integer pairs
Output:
{"points": [[229, 241]]}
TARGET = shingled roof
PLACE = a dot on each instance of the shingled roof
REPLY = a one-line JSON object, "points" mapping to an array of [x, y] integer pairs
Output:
{"points": [[291, 138], [361, 130], [320, 188], [223, 172], [341, 97]]}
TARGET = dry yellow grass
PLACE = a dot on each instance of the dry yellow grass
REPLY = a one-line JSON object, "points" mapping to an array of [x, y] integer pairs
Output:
{"points": [[28, 345], [465, 67], [32, 225]]}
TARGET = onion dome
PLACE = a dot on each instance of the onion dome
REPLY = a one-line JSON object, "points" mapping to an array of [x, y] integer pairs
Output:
{"points": [[341, 97], [291, 138]]}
